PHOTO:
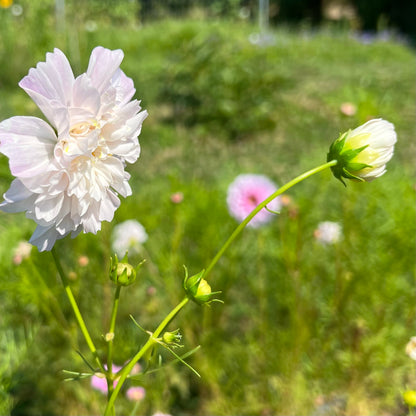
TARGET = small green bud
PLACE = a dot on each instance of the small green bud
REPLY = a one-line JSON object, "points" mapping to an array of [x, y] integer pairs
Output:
{"points": [[409, 398], [123, 273], [198, 288], [172, 338]]}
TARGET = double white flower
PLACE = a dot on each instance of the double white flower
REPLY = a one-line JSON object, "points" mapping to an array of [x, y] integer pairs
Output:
{"points": [[69, 176]]}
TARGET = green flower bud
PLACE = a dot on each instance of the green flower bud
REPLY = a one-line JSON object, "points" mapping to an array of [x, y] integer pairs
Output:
{"points": [[362, 154], [122, 273], [198, 289], [409, 398], [172, 338]]}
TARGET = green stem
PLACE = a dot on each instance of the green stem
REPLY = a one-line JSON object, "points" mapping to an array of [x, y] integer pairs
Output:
{"points": [[150, 342], [110, 342], [259, 207], [76, 310]]}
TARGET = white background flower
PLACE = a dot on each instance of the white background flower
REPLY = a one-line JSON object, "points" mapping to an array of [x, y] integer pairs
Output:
{"points": [[328, 232], [411, 348], [128, 236], [69, 174]]}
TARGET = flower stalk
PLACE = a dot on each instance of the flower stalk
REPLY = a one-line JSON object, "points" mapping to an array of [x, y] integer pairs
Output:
{"points": [[110, 334], [76, 310]]}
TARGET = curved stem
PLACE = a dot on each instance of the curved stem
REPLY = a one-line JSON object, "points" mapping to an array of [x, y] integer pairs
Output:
{"points": [[263, 204], [111, 340], [76, 310], [150, 342]]}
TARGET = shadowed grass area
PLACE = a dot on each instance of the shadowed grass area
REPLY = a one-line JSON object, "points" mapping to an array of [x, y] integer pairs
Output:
{"points": [[304, 325]]}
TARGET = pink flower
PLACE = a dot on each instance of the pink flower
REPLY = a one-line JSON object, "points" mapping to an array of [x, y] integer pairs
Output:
{"points": [[70, 173], [99, 382], [83, 261], [21, 252], [135, 394], [348, 109], [177, 197], [246, 192]]}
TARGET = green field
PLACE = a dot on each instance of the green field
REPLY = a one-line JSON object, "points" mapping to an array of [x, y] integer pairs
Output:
{"points": [[305, 328]]}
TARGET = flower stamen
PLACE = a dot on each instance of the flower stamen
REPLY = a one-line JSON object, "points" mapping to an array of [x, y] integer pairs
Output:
{"points": [[83, 128]]}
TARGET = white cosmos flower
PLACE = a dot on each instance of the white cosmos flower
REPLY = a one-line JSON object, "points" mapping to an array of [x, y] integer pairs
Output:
{"points": [[128, 236], [411, 348], [69, 173], [328, 232], [363, 153]]}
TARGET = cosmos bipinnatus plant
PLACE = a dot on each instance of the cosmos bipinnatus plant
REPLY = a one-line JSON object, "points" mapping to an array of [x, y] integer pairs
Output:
{"points": [[70, 172]]}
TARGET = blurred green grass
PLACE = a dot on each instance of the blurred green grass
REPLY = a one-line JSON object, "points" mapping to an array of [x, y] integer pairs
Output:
{"points": [[303, 324]]}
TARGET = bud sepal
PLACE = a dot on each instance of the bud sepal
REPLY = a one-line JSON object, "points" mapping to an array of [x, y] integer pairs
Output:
{"points": [[345, 165]]}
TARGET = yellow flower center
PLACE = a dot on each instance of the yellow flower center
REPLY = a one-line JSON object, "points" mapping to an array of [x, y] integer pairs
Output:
{"points": [[83, 128]]}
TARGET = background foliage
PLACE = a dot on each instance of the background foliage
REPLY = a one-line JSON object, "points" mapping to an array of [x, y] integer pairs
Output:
{"points": [[305, 328]]}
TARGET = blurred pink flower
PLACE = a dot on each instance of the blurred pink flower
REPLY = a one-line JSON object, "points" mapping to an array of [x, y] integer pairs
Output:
{"points": [[161, 414], [177, 197], [135, 393], [99, 382], [246, 192], [83, 261], [69, 174], [348, 109], [21, 252]]}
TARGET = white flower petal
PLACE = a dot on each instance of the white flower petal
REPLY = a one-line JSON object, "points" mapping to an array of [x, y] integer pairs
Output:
{"points": [[48, 207], [18, 198], [85, 98], [49, 85], [124, 87], [28, 142], [102, 66], [108, 206], [44, 237]]}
